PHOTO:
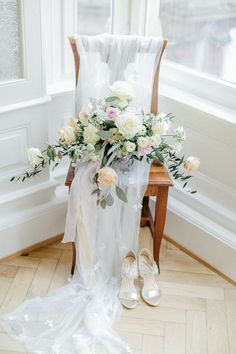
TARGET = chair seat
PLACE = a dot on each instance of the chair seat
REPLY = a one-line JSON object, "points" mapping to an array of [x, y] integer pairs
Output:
{"points": [[158, 176]]}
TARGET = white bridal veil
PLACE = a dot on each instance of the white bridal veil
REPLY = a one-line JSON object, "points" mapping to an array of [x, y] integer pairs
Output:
{"points": [[78, 318]]}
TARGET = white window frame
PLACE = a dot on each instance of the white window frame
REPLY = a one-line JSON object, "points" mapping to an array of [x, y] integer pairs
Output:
{"points": [[31, 86]]}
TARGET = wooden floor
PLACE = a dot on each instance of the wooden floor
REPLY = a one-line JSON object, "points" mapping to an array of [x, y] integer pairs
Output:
{"points": [[197, 314]]}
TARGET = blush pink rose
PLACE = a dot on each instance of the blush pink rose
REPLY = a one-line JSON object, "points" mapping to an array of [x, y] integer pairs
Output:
{"points": [[112, 112], [145, 150]]}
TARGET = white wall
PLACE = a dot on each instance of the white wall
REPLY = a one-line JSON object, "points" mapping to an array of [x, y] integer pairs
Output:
{"points": [[205, 223]]}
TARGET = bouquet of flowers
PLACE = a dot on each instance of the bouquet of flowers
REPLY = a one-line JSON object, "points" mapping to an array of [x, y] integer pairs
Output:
{"points": [[111, 130]]}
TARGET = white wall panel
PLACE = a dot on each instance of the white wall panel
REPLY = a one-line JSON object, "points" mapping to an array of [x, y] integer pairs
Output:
{"points": [[14, 143]]}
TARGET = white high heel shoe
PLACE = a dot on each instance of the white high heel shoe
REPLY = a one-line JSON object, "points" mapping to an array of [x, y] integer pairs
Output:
{"points": [[148, 270], [128, 294]]}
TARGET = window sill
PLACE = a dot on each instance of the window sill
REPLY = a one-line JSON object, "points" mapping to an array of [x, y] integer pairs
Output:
{"points": [[211, 108], [196, 84]]}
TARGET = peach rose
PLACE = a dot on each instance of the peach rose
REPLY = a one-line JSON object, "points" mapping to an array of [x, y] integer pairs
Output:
{"points": [[192, 164], [107, 176], [67, 134], [74, 124]]}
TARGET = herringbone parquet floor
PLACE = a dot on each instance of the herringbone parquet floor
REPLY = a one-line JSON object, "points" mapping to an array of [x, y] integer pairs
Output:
{"points": [[197, 314]]}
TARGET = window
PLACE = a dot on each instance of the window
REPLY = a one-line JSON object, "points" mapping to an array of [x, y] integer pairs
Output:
{"points": [[11, 63], [21, 69], [93, 16], [202, 35]]}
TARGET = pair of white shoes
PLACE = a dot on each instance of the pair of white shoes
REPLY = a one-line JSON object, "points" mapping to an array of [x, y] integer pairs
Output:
{"points": [[133, 266]]}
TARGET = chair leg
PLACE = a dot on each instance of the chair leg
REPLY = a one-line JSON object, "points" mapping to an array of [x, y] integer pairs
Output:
{"points": [[73, 258], [146, 217], [160, 218]]}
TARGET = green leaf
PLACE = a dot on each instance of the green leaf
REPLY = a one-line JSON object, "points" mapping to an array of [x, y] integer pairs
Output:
{"points": [[104, 134], [111, 99], [159, 156], [121, 194], [113, 148], [111, 158], [135, 157], [96, 191], [110, 123], [103, 203], [51, 153], [109, 200]]}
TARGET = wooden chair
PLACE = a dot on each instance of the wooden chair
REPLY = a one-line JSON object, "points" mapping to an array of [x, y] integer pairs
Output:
{"points": [[159, 179]]}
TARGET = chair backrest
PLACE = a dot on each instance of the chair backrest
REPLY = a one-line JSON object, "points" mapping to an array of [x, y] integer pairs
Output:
{"points": [[154, 100]]}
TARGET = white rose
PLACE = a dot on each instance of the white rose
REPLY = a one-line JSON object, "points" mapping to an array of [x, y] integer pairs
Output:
{"points": [[84, 115], [90, 135], [155, 140], [34, 156], [160, 127], [191, 164], [67, 134], [143, 130], [143, 142], [122, 102], [129, 146], [128, 124], [122, 89]]}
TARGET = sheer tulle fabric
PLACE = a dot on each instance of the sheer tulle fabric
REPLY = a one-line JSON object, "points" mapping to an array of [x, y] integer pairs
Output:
{"points": [[78, 317]]}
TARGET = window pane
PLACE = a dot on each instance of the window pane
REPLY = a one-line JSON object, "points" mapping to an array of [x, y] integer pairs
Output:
{"points": [[93, 16], [202, 35], [11, 63]]}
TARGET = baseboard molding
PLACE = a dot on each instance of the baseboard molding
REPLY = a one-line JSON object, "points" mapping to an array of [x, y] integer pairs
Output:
{"points": [[200, 260], [25, 251], [34, 225], [196, 233]]}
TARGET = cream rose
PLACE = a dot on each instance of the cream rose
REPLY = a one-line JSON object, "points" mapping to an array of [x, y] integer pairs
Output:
{"points": [[143, 142], [143, 130], [155, 140], [34, 156], [191, 164], [67, 134], [129, 124], [129, 146], [160, 127], [107, 176], [90, 135], [122, 89]]}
